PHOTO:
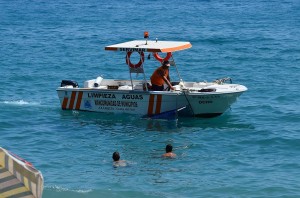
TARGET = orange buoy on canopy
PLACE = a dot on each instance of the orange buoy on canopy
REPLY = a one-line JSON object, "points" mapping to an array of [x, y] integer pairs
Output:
{"points": [[160, 59], [130, 64]]}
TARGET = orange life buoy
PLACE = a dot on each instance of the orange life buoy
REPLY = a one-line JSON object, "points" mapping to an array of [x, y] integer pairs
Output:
{"points": [[130, 64], [160, 59]]}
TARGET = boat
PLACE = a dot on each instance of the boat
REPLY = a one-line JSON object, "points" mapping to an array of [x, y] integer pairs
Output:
{"points": [[18, 177], [135, 96]]}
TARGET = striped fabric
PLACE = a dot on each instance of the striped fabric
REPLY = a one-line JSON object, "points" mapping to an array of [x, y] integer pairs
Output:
{"points": [[18, 179]]}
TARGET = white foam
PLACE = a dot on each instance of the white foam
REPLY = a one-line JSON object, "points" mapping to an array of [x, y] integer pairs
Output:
{"points": [[20, 102], [63, 189]]}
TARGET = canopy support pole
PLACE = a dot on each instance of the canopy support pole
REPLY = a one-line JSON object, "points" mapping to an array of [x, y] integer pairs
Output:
{"points": [[176, 69], [144, 77]]}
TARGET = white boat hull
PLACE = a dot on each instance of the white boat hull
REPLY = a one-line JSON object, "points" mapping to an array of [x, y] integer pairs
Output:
{"points": [[148, 103]]}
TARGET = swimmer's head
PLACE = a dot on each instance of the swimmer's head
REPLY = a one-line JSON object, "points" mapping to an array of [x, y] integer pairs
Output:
{"points": [[116, 156], [169, 148]]}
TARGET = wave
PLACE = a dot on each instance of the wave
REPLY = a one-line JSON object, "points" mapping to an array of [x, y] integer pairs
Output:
{"points": [[20, 103], [63, 189], [56, 191]]}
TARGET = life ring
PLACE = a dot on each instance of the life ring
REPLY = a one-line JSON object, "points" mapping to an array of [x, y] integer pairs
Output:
{"points": [[130, 64], [160, 59]]}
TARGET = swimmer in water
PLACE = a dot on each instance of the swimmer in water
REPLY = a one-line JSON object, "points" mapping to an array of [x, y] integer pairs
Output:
{"points": [[117, 162], [169, 153]]}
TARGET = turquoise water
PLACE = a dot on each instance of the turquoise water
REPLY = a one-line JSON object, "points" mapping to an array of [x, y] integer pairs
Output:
{"points": [[250, 151]]}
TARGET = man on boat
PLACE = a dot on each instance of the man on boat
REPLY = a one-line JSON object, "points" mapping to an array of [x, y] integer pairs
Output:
{"points": [[161, 76]]}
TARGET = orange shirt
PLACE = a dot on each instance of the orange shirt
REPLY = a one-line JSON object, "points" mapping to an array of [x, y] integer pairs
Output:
{"points": [[157, 75]]}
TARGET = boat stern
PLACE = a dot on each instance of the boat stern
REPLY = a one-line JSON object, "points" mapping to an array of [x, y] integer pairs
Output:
{"points": [[67, 94]]}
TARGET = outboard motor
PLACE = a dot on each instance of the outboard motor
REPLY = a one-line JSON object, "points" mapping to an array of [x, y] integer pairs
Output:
{"points": [[69, 82]]}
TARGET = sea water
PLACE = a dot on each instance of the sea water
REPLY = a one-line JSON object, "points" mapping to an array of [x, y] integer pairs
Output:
{"points": [[252, 150]]}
